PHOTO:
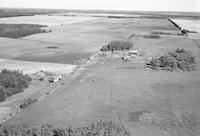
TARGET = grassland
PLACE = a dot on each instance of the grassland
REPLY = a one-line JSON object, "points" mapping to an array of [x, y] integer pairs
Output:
{"points": [[30, 67], [147, 102], [46, 20], [78, 40], [190, 25]]}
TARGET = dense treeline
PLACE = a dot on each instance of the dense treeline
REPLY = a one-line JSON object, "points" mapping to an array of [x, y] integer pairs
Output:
{"points": [[117, 45], [22, 12], [20, 30], [178, 60], [14, 14], [94, 129], [12, 82]]}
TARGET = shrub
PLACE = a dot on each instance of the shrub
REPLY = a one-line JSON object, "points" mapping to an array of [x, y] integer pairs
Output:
{"points": [[12, 82], [180, 59], [166, 33], [27, 103], [20, 30], [152, 36], [41, 79], [99, 128], [117, 45], [52, 47]]}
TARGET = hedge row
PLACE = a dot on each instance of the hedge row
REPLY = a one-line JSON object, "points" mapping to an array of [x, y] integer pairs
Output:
{"points": [[99, 128], [20, 30]]}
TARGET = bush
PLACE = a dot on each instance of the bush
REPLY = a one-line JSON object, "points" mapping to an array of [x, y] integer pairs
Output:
{"points": [[167, 33], [99, 128], [152, 36], [12, 82], [117, 45], [52, 47], [20, 30], [180, 59], [27, 103]]}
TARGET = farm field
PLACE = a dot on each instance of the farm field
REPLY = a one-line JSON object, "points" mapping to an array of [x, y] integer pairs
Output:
{"points": [[75, 41], [43, 20], [147, 102], [192, 25], [29, 67]]}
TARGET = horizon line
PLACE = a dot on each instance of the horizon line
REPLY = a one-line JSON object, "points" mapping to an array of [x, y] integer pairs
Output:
{"points": [[97, 9]]}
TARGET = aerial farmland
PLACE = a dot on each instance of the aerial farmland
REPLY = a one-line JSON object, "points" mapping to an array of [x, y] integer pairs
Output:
{"points": [[136, 69]]}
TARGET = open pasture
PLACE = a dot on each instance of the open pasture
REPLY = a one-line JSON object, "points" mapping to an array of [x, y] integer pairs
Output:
{"points": [[191, 25], [147, 102], [78, 40]]}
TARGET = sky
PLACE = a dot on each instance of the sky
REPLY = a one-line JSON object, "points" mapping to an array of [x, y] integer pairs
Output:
{"points": [[141, 5]]}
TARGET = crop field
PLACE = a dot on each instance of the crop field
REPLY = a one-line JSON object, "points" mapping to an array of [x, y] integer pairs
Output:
{"points": [[107, 85], [44, 20], [29, 67], [192, 25], [79, 40]]}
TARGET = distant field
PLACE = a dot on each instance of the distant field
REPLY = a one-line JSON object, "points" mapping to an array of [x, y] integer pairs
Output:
{"points": [[19, 30], [34, 67], [148, 102], [191, 25], [5, 12], [77, 40], [44, 20], [15, 14]]}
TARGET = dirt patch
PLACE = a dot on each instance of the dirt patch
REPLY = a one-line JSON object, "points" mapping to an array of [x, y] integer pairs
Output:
{"points": [[135, 116]]}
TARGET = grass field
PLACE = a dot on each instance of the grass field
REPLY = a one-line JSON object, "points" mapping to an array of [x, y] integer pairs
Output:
{"points": [[147, 102], [191, 25], [45, 20], [29, 67], [78, 40]]}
